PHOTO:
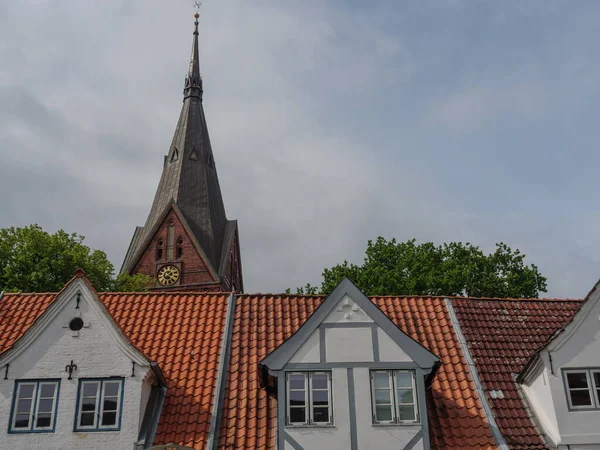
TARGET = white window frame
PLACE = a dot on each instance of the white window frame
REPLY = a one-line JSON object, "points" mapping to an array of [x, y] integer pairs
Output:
{"points": [[35, 403], [595, 388], [394, 398], [308, 394], [414, 404], [592, 389], [99, 406]]}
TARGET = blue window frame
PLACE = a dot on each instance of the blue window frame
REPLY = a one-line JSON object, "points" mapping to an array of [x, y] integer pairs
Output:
{"points": [[34, 406], [99, 404]]}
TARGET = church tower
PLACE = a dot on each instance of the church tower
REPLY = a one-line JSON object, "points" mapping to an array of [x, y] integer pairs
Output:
{"points": [[187, 242]]}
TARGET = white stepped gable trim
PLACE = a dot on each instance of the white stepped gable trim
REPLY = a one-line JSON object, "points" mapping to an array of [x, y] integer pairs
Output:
{"points": [[62, 300]]}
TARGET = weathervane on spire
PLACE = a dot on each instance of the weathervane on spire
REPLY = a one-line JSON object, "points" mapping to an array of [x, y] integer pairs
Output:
{"points": [[197, 8]]}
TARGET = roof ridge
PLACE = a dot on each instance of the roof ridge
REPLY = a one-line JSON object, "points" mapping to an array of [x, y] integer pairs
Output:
{"points": [[29, 294], [225, 294], [513, 299]]}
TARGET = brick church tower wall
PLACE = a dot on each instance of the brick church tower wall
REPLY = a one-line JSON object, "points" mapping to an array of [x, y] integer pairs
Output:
{"points": [[193, 268]]}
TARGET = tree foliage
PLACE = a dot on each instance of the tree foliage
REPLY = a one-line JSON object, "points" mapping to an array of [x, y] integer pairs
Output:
{"points": [[138, 282], [407, 268], [32, 260]]}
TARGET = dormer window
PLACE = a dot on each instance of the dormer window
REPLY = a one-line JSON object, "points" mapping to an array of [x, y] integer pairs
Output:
{"points": [[583, 388], [394, 397]]}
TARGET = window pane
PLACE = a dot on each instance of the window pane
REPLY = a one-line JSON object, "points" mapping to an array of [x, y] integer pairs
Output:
{"points": [[88, 404], [111, 389], [24, 406], [43, 420], [382, 396], [580, 398], [577, 380], [109, 418], [320, 397], [297, 415], [22, 421], [45, 405], [405, 396], [297, 398], [383, 413], [296, 382], [597, 379], [406, 413], [87, 419], [320, 414], [381, 380], [26, 390], [47, 390], [90, 389], [110, 404], [319, 381], [404, 379]]}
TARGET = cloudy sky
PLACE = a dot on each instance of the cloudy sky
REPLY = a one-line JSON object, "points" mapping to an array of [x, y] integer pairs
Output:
{"points": [[332, 123]]}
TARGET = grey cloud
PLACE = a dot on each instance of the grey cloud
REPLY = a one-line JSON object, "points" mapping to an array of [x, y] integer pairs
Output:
{"points": [[295, 95]]}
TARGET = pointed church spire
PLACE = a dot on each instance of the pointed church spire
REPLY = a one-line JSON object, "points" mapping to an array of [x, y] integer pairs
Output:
{"points": [[193, 80], [189, 184]]}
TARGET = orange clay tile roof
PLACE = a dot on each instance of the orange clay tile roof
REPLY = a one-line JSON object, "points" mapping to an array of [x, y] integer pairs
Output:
{"points": [[181, 332], [263, 322], [502, 335]]}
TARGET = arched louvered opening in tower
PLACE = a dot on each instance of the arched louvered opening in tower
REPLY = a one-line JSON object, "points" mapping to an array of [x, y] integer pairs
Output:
{"points": [[159, 250], [179, 252]]}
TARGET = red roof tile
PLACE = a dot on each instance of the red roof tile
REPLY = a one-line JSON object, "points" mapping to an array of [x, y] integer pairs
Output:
{"points": [[502, 335], [263, 322], [181, 332], [17, 313]]}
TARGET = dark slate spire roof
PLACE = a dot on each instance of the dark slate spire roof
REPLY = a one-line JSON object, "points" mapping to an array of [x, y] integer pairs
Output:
{"points": [[189, 177]]}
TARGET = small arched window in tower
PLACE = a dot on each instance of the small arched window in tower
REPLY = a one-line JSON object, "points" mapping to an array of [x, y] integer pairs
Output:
{"points": [[159, 250], [179, 248]]}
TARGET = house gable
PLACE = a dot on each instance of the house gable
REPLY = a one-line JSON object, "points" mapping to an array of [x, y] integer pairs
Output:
{"points": [[350, 341], [347, 310], [76, 339], [575, 350]]}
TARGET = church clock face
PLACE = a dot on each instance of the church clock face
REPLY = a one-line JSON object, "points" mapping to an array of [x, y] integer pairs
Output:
{"points": [[168, 275]]}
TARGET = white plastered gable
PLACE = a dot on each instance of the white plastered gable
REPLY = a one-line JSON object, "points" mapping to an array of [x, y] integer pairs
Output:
{"points": [[50, 344], [579, 343], [99, 350], [543, 380]]}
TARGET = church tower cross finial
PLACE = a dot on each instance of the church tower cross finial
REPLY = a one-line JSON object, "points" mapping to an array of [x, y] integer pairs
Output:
{"points": [[193, 80]]}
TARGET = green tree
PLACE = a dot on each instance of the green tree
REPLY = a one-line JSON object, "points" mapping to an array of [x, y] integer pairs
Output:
{"points": [[32, 260], [407, 268], [133, 283]]}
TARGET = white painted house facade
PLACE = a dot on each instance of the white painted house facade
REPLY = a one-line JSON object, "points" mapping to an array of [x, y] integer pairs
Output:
{"points": [[562, 381], [350, 379], [74, 381]]}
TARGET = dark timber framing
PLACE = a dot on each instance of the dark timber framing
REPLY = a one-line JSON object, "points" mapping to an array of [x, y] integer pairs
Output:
{"points": [[280, 357], [278, 363]]}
